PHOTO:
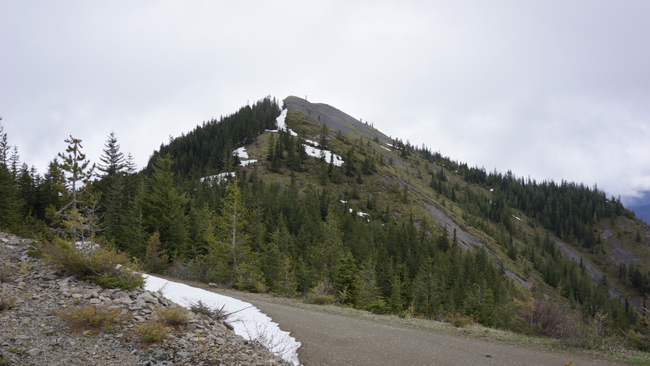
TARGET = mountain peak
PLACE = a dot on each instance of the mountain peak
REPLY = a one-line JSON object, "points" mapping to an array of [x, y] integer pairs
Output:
{"points": [[333, 118]]}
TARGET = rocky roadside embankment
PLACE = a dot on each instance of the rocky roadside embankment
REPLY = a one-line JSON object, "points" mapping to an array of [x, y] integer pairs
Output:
{"points": [[32, 334]]}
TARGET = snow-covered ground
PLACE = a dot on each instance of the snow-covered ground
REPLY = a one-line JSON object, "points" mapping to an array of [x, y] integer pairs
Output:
{"points": [[315, 152], [246, 162], [248, 321], [219, 177], [241, 152], [280, 121]]}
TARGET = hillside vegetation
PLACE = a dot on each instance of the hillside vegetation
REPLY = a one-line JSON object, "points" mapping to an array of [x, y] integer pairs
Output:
{"points": [[395, 228]]}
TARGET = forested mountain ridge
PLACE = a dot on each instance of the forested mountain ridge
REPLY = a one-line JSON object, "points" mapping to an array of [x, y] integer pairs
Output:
{"points": [[579, 219], [331, 209]]}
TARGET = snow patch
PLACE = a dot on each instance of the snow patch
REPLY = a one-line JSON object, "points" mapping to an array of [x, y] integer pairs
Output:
{"points": [[218, 178], [247, 162], [241, 153], [250, 322], [359, 213], [517, 218], [280, 121], [316, 152]]}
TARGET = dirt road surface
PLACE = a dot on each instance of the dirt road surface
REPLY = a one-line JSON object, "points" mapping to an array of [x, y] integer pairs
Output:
{"points": [[329, 338]]}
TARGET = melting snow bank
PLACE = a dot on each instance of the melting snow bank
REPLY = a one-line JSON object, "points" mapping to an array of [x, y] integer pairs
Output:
{"points": [[316, 152], [246, 162], [248, 321], [218, 178], [241, 153], [280, 121]]}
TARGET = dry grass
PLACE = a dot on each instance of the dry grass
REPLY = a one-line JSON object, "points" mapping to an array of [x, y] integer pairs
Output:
{"points": [[93, 317]]}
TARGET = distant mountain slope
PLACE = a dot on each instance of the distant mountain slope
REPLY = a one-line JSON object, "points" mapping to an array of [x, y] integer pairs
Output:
{"points": [[569, 213], [642, 212]]}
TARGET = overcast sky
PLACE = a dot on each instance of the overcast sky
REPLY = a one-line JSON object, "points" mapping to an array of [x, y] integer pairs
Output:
{"points": [[549, 89]]}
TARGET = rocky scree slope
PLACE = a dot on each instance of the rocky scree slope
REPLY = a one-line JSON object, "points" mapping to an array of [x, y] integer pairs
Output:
{"points": [[32, 334]]}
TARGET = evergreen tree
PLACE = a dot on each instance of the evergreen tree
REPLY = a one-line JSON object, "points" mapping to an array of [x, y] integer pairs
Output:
{"points": [[113, 186], [164, 208], [228, 239], [329, 251], [10, 204], [347, 282], [78, 216], [4, 146]]}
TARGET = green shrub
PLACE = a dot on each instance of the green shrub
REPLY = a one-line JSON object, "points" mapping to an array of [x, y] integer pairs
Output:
{"points": [[173, 315], [321, 294], [378, 306], [320, 299], [106, 266], [152, 331], [93, 317], [7, 271], [458, 320], [7, 302]]}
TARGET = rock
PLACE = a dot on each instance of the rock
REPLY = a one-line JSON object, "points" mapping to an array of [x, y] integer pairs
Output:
{"points": [[34, 352]]}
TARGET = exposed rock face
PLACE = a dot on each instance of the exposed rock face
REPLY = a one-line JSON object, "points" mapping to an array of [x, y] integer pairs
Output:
{"points": [[32, 334]]}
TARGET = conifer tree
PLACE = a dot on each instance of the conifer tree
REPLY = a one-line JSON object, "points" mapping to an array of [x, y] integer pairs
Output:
{"points": [[228, 240], [113, 185], [4, 145], [347, 281], [78, 216], [10, 205], [329, 251], [164, 208]]}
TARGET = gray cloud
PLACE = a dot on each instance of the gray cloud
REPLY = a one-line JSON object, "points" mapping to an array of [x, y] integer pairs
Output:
{"points": [[553, 90]]}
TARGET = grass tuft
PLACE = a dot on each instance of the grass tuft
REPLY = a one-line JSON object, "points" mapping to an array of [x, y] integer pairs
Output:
{"points": [[93, 317], [152, 331], [7, 302], [173, 315]]}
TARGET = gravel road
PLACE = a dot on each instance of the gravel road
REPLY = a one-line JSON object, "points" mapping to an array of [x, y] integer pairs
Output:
{"points": [[338, 339]]}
